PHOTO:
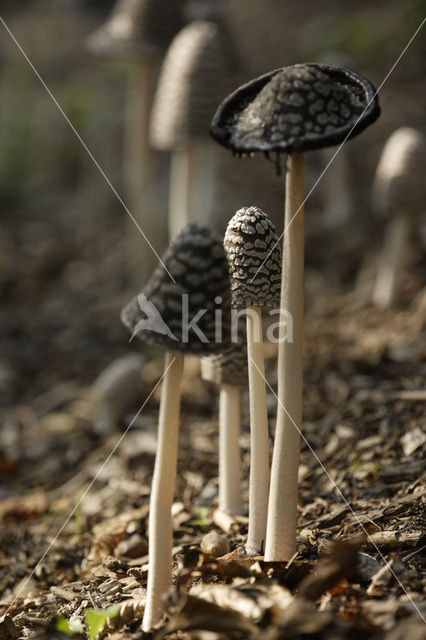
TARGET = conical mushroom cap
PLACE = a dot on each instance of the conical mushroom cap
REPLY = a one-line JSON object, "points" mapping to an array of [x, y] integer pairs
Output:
{"points": [[195, 75], [399, 184], [228, 367], [162, 313], [137, 28], [296, 108], [254, 255]]}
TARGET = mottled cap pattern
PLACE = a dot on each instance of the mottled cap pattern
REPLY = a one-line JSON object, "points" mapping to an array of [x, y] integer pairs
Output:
{"points": [[296, 108], [228, 367], [195, 75], [161, 315], [254, 255], [138, 28], [399, 184]]}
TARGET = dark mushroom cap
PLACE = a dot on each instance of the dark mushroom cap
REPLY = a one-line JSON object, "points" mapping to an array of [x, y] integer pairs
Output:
{"points": [[198, 264], [195, 74], [137, 28], [297, 108], [254, 255], [228, 367]]}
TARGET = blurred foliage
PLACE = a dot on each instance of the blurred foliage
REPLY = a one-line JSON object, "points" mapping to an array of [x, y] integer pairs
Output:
{"points": [[63, 243], [358, 35]]}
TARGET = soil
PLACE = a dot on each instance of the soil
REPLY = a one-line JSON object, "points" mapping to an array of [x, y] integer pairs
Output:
{"points": [[74, 504]]}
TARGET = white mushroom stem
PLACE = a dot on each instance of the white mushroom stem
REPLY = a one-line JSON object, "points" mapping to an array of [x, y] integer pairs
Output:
{"points": [[163, 482], [229, 450], [335, 188], [192, 185], [282, 509], [391, 259], [259, 437], [139, 171]]}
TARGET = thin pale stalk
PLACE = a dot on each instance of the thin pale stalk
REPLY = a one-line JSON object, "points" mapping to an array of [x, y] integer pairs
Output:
{"points": [[282, 510], [192, 185], [335, 189], [391, 260], [139, 172], [229, 450], [163, 482], [259, 436]]}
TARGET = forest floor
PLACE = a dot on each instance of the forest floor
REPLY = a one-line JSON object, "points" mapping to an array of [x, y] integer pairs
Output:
{"points": [[74, 505]]}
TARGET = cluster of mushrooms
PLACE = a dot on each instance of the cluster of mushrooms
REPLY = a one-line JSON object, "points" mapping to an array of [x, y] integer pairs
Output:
{"points": [[287, 111]]}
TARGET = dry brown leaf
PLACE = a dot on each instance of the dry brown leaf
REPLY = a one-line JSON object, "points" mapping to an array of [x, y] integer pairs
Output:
{"points": [[341, 563]]}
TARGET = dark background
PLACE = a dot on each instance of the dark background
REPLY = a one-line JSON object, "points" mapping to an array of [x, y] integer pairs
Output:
{"points": [[63, 235]]}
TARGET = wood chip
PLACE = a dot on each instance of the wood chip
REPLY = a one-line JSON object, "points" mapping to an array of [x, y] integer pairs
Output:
{"points": [[396, 539]]}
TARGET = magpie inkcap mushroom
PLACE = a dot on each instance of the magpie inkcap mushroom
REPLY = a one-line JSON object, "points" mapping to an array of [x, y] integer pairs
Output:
{"points": [[297, 108], [197, 71], [254, 256], [197, 263], [399, 192], [138, 32], [292, 110], [177, 312], [137, 28]]}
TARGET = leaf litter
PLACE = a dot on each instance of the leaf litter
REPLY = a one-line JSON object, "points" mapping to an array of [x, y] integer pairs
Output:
{"points": [[364, 418]]}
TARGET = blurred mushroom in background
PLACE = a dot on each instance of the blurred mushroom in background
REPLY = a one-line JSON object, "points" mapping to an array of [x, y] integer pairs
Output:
{"points": [[399, 193], [198, 70], [138, 32]]}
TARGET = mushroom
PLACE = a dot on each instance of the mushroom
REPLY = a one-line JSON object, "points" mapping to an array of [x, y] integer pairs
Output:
{"points": [[228, 370], [139, 31], [398, 193], [292, 110], [254, 256], [180, 317], [196, 72]]}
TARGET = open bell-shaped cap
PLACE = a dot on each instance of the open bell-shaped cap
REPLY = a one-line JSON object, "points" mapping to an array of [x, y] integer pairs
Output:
{"points": [[254, 255], [185, 307], [296, 108]]}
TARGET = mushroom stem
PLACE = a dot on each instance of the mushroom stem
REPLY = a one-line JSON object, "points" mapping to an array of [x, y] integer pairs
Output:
{"points": [[335, 189], [139, 168], [229, 450], [192, 185], [391, 259], [259, 437], [282, 509], [160, 518]]}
